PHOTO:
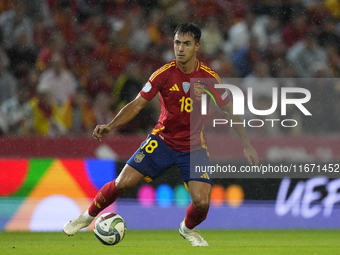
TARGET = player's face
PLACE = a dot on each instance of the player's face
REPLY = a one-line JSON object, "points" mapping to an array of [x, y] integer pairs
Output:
{"points": [[185, 48]]}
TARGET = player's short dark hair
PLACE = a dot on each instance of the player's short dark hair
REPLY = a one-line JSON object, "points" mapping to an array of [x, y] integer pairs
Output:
{"points": [[189, 28]]}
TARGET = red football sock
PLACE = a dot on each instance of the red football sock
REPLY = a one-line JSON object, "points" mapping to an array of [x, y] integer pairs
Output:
{"points": [[106, 196], [194, 217]]}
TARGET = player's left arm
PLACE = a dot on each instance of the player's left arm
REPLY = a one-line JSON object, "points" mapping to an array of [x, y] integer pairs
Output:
{"points": [[249, 151]]}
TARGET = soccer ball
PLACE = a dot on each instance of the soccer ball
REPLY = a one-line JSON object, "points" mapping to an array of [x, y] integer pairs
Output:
{"points": [[110, 228]]}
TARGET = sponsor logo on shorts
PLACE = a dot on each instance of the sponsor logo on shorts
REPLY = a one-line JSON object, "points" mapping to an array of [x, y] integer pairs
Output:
{"points": [[139, 157], [205, 176], [147, 179]]}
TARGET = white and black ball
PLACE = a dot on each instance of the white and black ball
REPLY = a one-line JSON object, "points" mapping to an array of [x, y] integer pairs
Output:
{"points": [[110, 229]]}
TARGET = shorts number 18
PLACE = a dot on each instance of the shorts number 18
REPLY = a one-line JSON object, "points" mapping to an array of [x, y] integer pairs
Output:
{"points": [[150, 145]]}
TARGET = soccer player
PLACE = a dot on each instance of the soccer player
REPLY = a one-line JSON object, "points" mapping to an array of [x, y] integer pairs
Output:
{"points": [[174, 139]]}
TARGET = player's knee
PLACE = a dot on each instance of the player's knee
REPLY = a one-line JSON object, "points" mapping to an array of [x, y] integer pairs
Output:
{"points": [[121, 186], [201, 204]]}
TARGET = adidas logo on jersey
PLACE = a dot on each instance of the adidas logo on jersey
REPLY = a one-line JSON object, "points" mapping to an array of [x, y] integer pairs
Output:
{"points": [[174, 88]]}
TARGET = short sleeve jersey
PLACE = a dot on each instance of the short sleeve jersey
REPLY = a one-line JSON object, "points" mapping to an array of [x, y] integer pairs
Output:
{"points": [[180, 131]]}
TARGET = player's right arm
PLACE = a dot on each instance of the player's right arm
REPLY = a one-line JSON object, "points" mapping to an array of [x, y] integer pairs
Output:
{"points": [[126, 114]]}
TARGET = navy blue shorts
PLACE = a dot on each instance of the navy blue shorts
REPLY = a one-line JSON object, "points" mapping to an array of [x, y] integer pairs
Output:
{"points": [[153, 158]]}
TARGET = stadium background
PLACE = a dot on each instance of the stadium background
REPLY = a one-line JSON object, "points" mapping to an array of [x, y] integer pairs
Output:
{"points": [[105, 51]]}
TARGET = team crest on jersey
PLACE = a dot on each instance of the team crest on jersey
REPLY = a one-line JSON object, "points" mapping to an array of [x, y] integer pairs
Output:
{"points": [[139, 157], [198, 92], [186, 86]]}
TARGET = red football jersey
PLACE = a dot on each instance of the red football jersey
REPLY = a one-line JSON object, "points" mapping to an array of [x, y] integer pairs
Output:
{"points": [[180, 131]]}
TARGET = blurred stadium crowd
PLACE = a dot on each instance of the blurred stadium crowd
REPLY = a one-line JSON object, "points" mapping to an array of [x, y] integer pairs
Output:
{"points": [[66, 65]]}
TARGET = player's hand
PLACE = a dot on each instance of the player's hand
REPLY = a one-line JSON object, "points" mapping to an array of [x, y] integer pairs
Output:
{"points": [[251, 155], [99, 131]]}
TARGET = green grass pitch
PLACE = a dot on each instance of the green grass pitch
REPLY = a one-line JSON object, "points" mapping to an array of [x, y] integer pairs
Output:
{"points": [[311, 242]]}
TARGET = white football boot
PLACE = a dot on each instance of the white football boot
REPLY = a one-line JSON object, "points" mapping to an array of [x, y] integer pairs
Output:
{"points": [[73, 226], [192, 236]]}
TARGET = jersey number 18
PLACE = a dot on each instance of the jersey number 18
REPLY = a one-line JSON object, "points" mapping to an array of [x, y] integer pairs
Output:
{"points": [[186, 104]]}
